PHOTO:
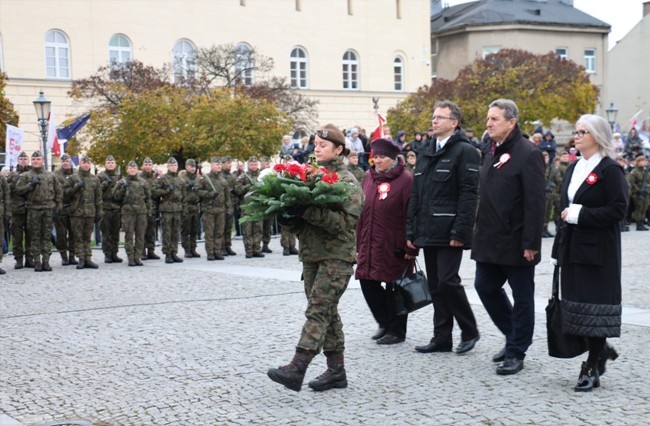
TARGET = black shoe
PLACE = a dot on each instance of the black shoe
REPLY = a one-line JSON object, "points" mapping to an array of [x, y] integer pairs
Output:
{"points": [[211, 257], [230, 251], [19, 264], [138, 262], [641, 227], [176, 259], [467, 345], [29, 263], [293, 250], [2, 271], [47, 267], [168, 258], [132, 263], [434, 347], [390, 339], [379, 333], [608, 353], [286, 252], [266, 249], [108, 258], [219, 257], [588, 379], [249, 255], [116, 259], [72, 260], [89, 264], [188, 255], [258, 254], [510, 366], [152, 256], [80, 264], [500, 356]]}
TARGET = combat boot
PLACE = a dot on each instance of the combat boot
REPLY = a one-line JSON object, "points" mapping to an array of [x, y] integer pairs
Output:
{"points": [[138, 262], [29, 263], [211, 257], [219, 257], [292, 374], [71, 259], [89, 264], [258, 254], [46, 264], [334, 376], [285, 251], [176, 259], [108, 258], [230, 251], [38, 266], [132, 261], [115, 258], [168, 258], [249, 255], [2, 271], [640, 226], [64, 258], [151, 255], [143, 256], [266, 249], [188, 254], [19, 263], [195, 253], [81, 263], [293, 250]]}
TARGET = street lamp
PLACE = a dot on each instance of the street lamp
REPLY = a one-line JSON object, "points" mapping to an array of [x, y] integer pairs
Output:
{"points": [[42, 105], [611, 114]]}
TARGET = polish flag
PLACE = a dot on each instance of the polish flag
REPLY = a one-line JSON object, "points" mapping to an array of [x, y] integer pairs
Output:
{"points": [[379, 131]]}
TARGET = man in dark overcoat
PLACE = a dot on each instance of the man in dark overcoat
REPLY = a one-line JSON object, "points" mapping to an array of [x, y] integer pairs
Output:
{"points": [[508, 231]]}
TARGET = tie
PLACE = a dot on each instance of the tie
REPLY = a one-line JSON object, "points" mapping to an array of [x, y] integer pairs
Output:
{"points": [[438, 146]]}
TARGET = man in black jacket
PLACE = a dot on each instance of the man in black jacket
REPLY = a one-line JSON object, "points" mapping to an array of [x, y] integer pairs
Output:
{"points": [[508, 232], [440, 220]]}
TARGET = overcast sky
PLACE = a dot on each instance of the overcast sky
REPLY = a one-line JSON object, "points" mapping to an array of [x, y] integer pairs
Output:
{"points": [[622, 15]]}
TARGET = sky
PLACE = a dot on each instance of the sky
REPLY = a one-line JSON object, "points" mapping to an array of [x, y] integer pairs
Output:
{"points": [[622, 15]]}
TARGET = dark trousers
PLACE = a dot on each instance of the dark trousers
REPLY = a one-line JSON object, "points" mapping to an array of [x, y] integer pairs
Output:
{"points": [[448, 294], [380, 300], [515, 322]]}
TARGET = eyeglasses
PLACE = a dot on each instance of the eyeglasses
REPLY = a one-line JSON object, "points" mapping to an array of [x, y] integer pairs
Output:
{"points": [[440, 117], [580, 132]]}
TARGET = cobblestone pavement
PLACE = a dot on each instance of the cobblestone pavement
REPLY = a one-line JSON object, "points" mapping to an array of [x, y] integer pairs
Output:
{"points": [[190, 343]]}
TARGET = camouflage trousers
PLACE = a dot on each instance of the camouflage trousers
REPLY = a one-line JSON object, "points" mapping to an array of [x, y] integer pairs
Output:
{"points": [[20, 235], [287, 239], [2, 231], [39, 222], [227, 230], [549, 213], [325, 283], [150, 234], [110, 227], [640, 208], [213, 225], [190, 228], [64, 236], [82, 229], [171, 229], [134, 226], [252, 232], [267, 229]]}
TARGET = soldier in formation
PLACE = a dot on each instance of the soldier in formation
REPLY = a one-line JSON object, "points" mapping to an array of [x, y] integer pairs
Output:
{"points": [[267, 224], [638, 180], [191, 217], [20, 235], [63, 226], [226, 248], [215, 202], [150, 177], [84, 191], [43, 196], [135, 197], [251, 231], [4, 212], [171, 190], [111, 223]]}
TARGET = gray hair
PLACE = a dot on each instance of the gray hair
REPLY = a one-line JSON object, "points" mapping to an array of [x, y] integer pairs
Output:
{"points": [[600, 129], [509, 108], [453, 108]]}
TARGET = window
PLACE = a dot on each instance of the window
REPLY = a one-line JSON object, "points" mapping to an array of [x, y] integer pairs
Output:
{"points": [[562, 52], [590, 60], [57, 55], [490, 49], [350, 71], [119, 49], [299, 68], [244, 65], [183, 60], [398, 73]]}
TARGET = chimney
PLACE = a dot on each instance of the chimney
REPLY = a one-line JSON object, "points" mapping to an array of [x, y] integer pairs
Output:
{"points": [[646, 8]]}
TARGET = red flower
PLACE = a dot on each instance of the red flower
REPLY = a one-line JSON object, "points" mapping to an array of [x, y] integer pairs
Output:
{"points": [[592, 178], [279, 167], [330, 177]]}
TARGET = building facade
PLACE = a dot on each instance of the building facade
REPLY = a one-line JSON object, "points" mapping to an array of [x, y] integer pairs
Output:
{"points": [[342, 53]]}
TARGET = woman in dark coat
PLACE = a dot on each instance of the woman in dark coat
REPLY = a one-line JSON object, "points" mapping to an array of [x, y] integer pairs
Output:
{"points": [[381, 238], [594, 200]]}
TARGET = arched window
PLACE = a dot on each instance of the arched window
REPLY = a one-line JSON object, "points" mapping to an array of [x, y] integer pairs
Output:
{"points": [[183, 60], [119, 49], [57, 55], [350, 71], [299, 68], [244, 64], [398, 73]]}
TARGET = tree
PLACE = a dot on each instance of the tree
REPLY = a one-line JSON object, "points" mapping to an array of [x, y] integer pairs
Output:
{"points": [[8, 114], [545, 87]]}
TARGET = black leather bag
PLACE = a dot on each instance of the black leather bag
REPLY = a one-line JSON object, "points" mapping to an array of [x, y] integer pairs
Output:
{"points": [[412, 291], [560, 345]]}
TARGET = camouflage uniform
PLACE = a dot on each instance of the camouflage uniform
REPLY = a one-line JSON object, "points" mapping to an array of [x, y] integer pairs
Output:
{"points": [[556, 179], [358, 173], [191, 218], [20, 235], [43, 196], [230, 179], [150, 233], [64, 237], [215, 202], [171, 190], [4, 212], [111, 222], [85, 193], [639, 194], [134, 194], [252, 231]]}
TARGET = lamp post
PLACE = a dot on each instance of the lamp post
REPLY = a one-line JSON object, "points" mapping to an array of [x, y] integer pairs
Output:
{"points": [[611, 114], [42, 105]]}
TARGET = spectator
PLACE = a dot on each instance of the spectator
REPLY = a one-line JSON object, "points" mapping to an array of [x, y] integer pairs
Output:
{"points": [[411, 159], [287, 146], [618, 144], [401, 139], [469, 132], [353, 166], [549, 145], [537, 139], [418, 142]]}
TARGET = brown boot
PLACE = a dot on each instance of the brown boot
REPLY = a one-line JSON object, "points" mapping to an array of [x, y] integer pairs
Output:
{"points": [[334, 376], [64, 258], [292, 375]]}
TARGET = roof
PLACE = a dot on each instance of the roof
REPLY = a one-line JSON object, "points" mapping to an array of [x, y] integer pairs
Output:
{"points": [[500, 12]]}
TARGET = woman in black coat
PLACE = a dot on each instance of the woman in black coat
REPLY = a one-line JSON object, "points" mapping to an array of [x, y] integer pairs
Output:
{"points": [[594, 200]]}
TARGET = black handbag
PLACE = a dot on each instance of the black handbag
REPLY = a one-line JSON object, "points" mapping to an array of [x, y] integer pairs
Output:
{"points": [[412, 291], [560, 345]]}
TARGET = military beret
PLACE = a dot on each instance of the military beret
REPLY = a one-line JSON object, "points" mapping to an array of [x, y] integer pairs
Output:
{"points": [[190, 162], [23, 154], [216, 159], [132, 164], [36, 154], [331, 133], [253, 159], [147, 160], [564, 152], [640, 156], [172, 160], [84, 159], [65, 157], [226, 159], [110, 158], [265, 158]]}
